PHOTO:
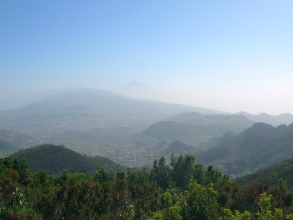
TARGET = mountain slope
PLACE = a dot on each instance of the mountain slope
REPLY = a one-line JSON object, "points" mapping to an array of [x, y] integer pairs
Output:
{"points": [[54, 159], [215, 141], [171, 131], [256, 148], [271, 175]]}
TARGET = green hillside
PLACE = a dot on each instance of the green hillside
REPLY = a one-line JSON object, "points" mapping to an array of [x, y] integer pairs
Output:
{"points": [[271, 175], [255, 148], [54, 159]]}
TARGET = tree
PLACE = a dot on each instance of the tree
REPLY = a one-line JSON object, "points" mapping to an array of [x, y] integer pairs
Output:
{"points": [[199, 202], [161, 173]]}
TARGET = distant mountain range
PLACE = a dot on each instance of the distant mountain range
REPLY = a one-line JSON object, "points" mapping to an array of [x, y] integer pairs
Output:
{"points": [[90, 106], [194, 128], [93, 121], [274, 120], [255, 148], [88, 119]]}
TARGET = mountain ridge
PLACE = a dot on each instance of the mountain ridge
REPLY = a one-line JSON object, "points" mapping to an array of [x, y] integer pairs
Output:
{"points": [[255, 148], [275, 120]]}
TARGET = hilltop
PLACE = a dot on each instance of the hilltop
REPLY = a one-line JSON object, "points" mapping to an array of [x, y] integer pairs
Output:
{"points": [[54, 159]]}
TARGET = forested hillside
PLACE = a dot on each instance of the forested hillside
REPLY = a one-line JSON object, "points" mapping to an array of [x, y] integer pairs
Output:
{"points": [[182, 190], [272, 174], [54, 159], [256, 148]]}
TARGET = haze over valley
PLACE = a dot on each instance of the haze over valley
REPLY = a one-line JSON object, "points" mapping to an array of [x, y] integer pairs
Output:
{"points": [[132, 131]]}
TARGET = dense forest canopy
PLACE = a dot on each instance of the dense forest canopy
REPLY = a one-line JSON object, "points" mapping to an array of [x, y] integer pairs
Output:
{"points": [[182, 190]]}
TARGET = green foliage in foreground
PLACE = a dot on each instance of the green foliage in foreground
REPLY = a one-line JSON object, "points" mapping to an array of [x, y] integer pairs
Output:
{"points": [[179, 191]]}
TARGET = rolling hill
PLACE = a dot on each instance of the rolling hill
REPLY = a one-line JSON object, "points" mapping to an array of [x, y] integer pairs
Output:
{"points": [[54, 159]]}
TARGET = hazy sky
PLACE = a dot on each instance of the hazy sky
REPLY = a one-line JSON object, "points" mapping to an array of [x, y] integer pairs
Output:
{"points": [[225, 55]]}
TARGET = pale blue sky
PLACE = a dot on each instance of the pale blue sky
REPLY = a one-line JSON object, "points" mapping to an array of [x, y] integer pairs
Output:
{"points": [[224, 55]]}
